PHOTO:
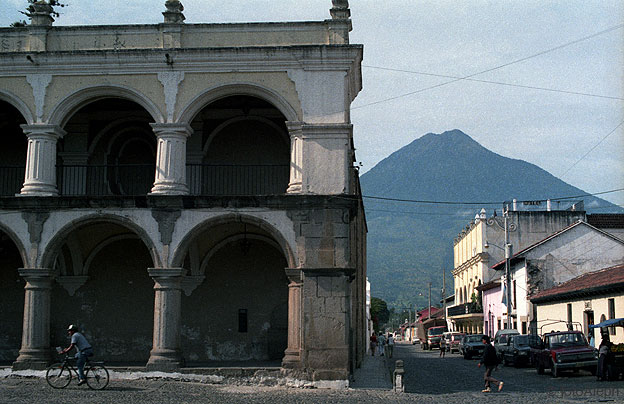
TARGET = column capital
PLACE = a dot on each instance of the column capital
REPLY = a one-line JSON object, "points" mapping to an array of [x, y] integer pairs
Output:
{"points": [[177, 128], [44, 129], [295, 127], [34, 274], [164, 274], [294, 275]]}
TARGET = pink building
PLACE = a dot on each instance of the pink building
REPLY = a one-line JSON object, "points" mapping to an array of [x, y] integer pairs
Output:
{"points": [[493, 308]]}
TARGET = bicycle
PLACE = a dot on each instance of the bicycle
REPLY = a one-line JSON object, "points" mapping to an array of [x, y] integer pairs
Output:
{"points": [[59, 375]]}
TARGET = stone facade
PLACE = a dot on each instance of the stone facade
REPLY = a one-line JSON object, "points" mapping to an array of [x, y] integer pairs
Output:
{"points": [[184, 193]]}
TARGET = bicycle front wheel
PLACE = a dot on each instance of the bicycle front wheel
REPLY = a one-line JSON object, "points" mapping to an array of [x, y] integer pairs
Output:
{"points": [[58, 376], [97, 377]]}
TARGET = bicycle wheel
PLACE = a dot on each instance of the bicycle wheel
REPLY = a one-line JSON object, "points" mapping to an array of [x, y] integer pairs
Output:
{"points": [[97, 377], [58, 376]]}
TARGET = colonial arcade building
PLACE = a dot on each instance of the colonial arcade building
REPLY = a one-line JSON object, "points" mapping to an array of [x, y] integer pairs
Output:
{"points": [[185, 193]]}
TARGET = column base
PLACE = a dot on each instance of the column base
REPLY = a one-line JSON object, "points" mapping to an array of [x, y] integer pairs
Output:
{"points": [[36, 359], [164, 360], [295, 188], [38, 190], [292, 360], [169, 189]]}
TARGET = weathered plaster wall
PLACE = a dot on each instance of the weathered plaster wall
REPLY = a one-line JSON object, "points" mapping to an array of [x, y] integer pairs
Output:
{"points": [[256, 282]]}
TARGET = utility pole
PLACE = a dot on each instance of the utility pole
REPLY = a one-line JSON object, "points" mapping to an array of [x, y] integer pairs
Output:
{"points": [[444, 294], [429, 310], [508, 249]]}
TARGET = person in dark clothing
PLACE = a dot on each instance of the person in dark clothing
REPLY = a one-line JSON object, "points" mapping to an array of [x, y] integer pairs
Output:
{"points": [[490, 361], [603, 351]]}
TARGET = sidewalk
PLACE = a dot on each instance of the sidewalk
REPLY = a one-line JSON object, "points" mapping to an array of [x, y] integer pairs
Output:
{"points": [[373, 374]]}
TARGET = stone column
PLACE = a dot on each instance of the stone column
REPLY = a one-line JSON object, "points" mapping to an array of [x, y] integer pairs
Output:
{"points": [[35, 350], [295, 184], [170, 176], [292, 357], [165, 354], [40, 178]]}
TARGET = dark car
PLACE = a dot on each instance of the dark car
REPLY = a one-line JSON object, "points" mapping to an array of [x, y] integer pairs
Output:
{"points": [[518, 349], [471, 345]]}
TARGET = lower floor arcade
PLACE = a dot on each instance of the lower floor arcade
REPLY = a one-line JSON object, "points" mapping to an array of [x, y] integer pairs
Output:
{"points": [[232, 290]]}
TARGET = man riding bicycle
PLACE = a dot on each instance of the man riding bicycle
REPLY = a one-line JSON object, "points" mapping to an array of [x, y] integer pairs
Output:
{"points": [[83, 349]]}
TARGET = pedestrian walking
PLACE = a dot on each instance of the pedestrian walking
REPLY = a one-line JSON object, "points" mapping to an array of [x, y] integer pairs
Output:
{"points": [[381, 342], [373, 343], [390, 345], [490, 361], [442, 347]]}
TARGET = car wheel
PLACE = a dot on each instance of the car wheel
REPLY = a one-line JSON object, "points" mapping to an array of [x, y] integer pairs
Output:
{"points": [[554, 371]]}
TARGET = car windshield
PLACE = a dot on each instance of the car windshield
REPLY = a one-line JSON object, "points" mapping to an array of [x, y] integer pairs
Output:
{"points": [[572, 339], [474, 338], [521, 340], [435, 331]]}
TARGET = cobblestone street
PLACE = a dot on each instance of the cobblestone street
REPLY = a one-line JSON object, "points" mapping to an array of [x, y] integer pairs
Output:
{"points": [[428, 379]]}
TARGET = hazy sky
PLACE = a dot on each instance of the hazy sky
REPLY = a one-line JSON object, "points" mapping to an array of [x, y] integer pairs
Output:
{"points": [[579, 48]]}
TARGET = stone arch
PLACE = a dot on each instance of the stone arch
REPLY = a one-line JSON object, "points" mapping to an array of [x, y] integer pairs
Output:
{"points": [[108, 128], [53, 246], [99, 248], [182, 248], [67, 107], [18, 243], [250, 89], [237, 237], [18, 104], [225, 124]]}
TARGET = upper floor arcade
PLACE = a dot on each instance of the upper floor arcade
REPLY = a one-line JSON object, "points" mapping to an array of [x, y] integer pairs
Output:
{"points": [[178, 109]]}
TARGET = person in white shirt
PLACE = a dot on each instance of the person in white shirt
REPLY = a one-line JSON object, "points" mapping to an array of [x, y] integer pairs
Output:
{"points": [[83, 349]]}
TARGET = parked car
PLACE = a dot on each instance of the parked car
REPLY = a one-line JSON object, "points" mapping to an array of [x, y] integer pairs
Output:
{"points": [[518, 349], [500, 340], [434, 335], [565, 350], [471, 345], [452, 340]]}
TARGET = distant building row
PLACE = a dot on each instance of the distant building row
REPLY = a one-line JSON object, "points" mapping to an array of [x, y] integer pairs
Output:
{"points": [[568, 271]]}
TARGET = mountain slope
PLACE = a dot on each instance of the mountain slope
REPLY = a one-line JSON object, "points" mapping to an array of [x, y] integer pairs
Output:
{"points": [[409, 244]]}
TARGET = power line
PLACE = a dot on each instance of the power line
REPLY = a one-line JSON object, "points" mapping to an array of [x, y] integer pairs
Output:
{"points": [[496, 67], [494, 82], [590, 150], [484, 203]]}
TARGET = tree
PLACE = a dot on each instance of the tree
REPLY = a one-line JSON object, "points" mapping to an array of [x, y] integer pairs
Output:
{"points": [[379, 312]]}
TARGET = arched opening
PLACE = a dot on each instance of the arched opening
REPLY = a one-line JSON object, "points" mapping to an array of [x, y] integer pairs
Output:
{"points": [[13, 150], [245, 148], [11, 300], [103, 287], [109, 149], [239, 313]]}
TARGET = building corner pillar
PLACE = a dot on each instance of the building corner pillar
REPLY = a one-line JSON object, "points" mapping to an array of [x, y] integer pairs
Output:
{"points": [[295, 183], [170, 177], [35, 350], [292, 355], [166, 354]]}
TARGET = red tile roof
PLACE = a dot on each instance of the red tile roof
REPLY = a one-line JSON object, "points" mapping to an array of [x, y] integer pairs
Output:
{"points": [[425, 312], [593, 282]]}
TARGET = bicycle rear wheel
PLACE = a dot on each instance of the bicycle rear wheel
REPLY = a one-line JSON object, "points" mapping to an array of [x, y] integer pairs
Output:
{"points": [[58, 376], [97, 377]]}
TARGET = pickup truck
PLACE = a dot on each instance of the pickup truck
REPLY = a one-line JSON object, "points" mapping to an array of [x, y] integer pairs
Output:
{"points": [[434, 335], [565, 350]]}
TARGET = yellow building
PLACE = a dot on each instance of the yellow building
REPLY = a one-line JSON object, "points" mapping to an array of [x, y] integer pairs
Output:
{"points": [[588, 299]]}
